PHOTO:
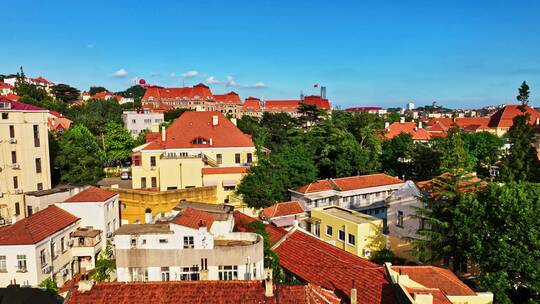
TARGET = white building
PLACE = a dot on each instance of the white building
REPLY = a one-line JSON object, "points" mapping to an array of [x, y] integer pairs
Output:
{"points": [[139, 120], [39, 200], [195, 245]]}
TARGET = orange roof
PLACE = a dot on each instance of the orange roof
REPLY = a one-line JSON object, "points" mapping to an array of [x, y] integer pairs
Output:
{"points": [[224, 170], [41, 80], [436, 277], [252, 104], [350, 183], [211, 292], [242, 221], [59, 123], [396, 128], [194, 218], [438, 127], [36, 227], [503, 118], [200, 91], [231, 97], [283, 209], [292, 105], [12, 96], [4, 85], [91, 194], [473, 123], [192, 125], [447, 121]]}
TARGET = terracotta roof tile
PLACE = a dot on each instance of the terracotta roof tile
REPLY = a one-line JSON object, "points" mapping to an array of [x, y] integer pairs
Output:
{"points": [[4, 85], [350, 183], [320, 263], [436, 277], [316, 186], [473, 123], [199, 292], [224, 170], [12, 96], [91, 194], [242, 221], [438, 296], [194, 218], [283, 209], [252, 104], [158, 94], [503, 118], [19, 106], [231, 98], [396, 128], [36, 227], [292, 105]]}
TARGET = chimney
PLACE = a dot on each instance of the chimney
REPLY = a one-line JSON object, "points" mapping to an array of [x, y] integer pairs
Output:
{"points": [[148, 216], [233, 120], [419, 124], [215, 120], [211, 142], [386, 125], [402, 120], [354, 296], [163, 134], [537, 121], [268, 283]]}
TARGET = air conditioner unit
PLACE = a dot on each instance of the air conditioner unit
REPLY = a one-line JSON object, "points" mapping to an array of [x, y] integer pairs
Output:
{"points": [[12, 140], [18, 191], [15, 166]]}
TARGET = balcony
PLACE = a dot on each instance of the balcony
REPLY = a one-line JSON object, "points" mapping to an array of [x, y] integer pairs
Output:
{"points": [[85, 242]]}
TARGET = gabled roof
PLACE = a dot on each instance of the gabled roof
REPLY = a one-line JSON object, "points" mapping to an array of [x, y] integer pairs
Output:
{"points": [[350, 183], [503, 118], [41, 80], [473, 123], [438, 127], [283, 209], [199, 292], [231, 98], [194, 218], [252, 104], [91, 194], [192, 125], [320, 263], [200, 91], [224, 170], [447, 121], [36, 227], [19, 106], [436, 277], [59, 122], [242, 221], [396, 128]]}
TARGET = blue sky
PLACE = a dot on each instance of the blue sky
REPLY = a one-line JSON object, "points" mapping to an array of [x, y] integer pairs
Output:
{"points": [[377, 53]]}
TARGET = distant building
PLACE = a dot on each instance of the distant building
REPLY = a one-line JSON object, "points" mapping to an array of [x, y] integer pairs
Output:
{"points": [[370, 110], [252, 107], [410, 106], [284, 214], [291, 106], [24, 158], [502, 120], [5, 88], [417, 132], [39, 82], [58, 123], [137, 121]]}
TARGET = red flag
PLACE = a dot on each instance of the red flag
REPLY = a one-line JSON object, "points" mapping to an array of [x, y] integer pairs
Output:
{"points": [[315, 85]]}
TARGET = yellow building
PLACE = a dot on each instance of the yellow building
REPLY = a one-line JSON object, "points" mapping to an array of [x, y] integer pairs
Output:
{"points": [[355, 232], [24, 156], [198, 149]]}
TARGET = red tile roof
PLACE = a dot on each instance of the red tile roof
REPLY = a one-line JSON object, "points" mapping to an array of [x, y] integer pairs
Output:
{"points": [[283, 209], [194, 218], [363, 109], [231, 98], [105, 95], [438, 296], [200, 91], [192, 125], [396, 128], [59, 123], [447, 121], [503, 118], [91, 194], [436, 277], [350, 183], [292, 105], [242, 221], [4, 85], [224, 170], [41, 80], [36, 227], [199, 292], [438, 127], [19, 106], [252, 104], [473, 123], [320, 263]]}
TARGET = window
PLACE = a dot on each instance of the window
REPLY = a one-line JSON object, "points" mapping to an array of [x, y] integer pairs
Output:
{"points": [[15, 182], [21, 262], [133, 242], [36, 136], [136, 160], [133, 121], [228, 273], [43, 258], [38, 165], [143, 182], [188, 242], [40, 186], [63, 244], [5, 115], [199, 141], [317, 229], [204, 264], [189, 273], [165, 276], [341, 235], [329, 230], [54, 251], [3, 267], [237, 158], [13, 157], [148, 121], [17, 209], [154, 182], [249, 158], [219, 159], [152, 161], [29, 210], [352, 239], [400, 219], [163, 241], [11, 131]]}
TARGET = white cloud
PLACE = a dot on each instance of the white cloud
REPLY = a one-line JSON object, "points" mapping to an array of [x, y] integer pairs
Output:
{"points": [[172, 74], [121, 73], [190, 74], [259, 84], [231, 82], [212, 80]]}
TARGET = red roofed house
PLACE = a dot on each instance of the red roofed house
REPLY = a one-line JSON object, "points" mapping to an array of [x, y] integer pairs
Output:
{"points": [[198, 149], [25, 156], [284, 214], [58, 123], [502, 120], [252, 107], [198, 243], [291, 106], [12, 96], [5, 88], [229, 103], [39, 82], [417, 132]]}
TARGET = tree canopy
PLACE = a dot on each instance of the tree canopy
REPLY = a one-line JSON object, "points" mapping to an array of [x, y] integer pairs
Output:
{"points": [[117, 142], [65, 93], [95, 90]]}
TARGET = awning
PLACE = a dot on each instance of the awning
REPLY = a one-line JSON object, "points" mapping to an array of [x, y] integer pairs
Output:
{"points": [[210, 183], [230, 183]]}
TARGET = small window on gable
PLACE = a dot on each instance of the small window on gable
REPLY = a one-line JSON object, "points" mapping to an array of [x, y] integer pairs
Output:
{"points": [[199, 141]]}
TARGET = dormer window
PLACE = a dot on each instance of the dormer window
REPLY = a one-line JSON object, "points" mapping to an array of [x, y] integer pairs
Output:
{"points": [[199, 141]]}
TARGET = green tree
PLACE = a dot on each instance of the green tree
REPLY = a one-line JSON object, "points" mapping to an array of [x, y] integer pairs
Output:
{"points": [[80, 159], [141, 138], [453, 154], [174, 114], [95, 90], [50, 285], [95, 114], [117, 142], [65, 93], [485, 147], [397, 153], [24, 88], [523, 93], [280, 127], [310, 114], [105, 264], [508, 250], [136, 92], [426, 162]]}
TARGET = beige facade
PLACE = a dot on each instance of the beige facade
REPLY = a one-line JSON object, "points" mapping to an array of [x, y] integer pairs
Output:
{"points": [[24, 157]]}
